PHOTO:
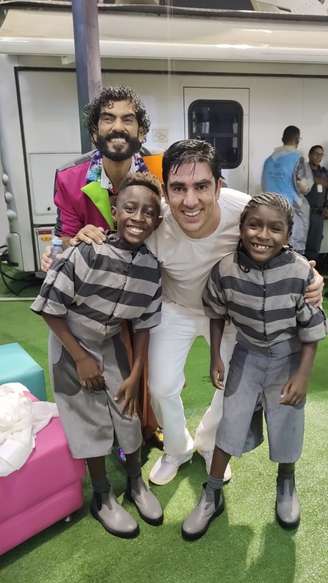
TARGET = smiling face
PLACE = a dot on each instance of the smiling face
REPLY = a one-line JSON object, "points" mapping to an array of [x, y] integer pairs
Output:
{"points": [[264, 232], [137, 214], [315, 157], [192, 194], [118, 136]]}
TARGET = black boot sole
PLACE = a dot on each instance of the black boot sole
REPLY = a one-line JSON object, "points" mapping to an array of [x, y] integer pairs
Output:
{"points": [[200, 533], [133, 534], [287, 525], [151, 521]]}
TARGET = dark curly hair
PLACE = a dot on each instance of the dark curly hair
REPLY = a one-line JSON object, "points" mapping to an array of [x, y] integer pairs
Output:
{"points": [[142, 179], [272, 200], [107, 96]]}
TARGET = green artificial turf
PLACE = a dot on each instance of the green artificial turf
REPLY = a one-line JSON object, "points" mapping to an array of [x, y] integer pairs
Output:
{"points": [[244, 545]]}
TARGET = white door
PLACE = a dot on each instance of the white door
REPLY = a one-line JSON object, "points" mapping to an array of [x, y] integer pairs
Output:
{"points": [[229, 135]]}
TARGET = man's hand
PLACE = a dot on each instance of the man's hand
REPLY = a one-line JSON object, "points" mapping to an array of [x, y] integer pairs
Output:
{"points": [[313, 292], [46, 260], [89, 234], [128, 394], [294, 391], [89, 373], [217, 373]]}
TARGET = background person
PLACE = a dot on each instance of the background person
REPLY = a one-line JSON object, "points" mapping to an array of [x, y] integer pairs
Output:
{"points": [[317, 199], [285, 173]]}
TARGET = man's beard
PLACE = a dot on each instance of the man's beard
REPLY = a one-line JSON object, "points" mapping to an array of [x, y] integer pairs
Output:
{"points": [[133, 144]]}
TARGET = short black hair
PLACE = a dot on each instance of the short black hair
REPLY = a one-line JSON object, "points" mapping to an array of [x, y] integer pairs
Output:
{"points": [[315, 148], [272, 200], [290, 133], [143, 179], [107, 96], [190, 151]]}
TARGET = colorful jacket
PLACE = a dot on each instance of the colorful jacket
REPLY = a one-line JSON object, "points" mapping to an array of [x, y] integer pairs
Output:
{"points": [[79, 196]]}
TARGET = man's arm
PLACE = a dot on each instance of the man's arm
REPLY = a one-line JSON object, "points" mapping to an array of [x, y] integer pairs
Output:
{"points": [[87, 234], [314, 290], [69, 226], [303, 177]]}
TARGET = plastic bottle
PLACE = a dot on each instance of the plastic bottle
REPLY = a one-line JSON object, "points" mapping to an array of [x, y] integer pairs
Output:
{"points": [[56, 247]]}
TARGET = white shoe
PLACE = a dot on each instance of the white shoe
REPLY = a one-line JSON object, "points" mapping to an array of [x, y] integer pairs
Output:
{"points": [[166, 468], [207, 456]]}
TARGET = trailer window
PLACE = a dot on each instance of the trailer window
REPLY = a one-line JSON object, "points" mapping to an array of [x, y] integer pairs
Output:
{"points": [[219, 122]]}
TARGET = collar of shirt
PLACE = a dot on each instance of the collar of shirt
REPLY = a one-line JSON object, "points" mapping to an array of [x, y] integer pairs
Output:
{"points": [[96, 172], [116, 241], [285, 256]]}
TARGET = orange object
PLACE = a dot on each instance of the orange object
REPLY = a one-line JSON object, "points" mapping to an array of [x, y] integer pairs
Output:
{"points": [[154, 164]]}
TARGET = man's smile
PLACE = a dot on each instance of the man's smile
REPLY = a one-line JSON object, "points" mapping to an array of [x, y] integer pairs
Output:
{"points": [[191, 213]]}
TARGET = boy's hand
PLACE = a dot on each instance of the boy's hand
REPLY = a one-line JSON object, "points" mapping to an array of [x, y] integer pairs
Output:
{"points": [[217, 373], [294, 391], [89, 234], [313, 292], [90, 374], [128, 394]]}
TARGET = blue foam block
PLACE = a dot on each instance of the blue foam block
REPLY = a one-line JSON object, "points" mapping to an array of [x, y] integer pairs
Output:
{"points": [[17, 366]]}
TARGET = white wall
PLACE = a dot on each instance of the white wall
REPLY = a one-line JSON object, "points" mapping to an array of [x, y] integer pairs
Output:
{"points": [[49, 105]]}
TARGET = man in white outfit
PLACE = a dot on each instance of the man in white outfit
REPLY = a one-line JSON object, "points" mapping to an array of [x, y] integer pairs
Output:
{"points": [[195, 233]]}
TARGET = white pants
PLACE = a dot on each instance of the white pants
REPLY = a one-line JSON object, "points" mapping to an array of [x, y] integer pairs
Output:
{"points": [[169, 346]]}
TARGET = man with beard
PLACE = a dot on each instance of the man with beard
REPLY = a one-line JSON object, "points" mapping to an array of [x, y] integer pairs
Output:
{"points": [[86, 188]]}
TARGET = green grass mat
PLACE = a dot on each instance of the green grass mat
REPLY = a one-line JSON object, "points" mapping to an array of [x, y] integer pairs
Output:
{"points": [[243, 545]]}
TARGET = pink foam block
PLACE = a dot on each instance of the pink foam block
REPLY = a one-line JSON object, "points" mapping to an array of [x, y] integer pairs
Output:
{"points": [[46, 489]]}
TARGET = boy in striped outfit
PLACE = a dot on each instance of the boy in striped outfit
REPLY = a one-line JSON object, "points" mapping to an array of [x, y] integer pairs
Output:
{"points": [[261, 288], [84, 299]]}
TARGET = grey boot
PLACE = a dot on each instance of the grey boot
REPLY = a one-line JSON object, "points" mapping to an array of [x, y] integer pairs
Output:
{"points": [[105, 508], [146, 502], [288, 512], [210, 505]]}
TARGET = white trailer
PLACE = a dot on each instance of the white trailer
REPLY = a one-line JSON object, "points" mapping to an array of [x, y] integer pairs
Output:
{"points": [[235, 80]]}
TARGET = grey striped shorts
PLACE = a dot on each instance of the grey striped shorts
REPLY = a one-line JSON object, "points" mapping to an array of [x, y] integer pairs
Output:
{"points": [[92, 419], [254, 378]]}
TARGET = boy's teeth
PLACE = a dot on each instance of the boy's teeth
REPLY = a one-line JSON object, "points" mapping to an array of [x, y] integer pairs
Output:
{"points": [[135, 230], [261, 246]]}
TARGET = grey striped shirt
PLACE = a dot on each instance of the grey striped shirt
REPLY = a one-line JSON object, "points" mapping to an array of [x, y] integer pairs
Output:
{"points": [[266, 303], [95, 287]]}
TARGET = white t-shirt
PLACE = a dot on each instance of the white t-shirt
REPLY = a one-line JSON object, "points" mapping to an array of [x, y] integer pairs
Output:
{"points": [[186, 263]]}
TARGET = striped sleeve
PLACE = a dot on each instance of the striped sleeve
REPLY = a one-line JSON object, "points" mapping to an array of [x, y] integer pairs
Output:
{"points": [[151, 317], [311, 322], [63, 281], [214, 300]]}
